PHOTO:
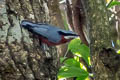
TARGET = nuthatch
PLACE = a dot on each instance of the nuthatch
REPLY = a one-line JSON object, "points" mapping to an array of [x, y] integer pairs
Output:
{"points": [[49, 34]]}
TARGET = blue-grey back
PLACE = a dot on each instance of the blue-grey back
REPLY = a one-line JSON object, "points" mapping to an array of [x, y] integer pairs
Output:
{"points": [[48, 31]]}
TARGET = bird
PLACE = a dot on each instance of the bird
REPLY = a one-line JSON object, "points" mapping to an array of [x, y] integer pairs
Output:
{"points": [[49, 34]]}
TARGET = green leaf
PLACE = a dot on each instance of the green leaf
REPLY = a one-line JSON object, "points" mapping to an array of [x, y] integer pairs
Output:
{"points": [[74, 45], [62, 59], [72, 62], [81, 78], [118, 51], [114, 3], [80, 49], [84, 52], [68, 72]]}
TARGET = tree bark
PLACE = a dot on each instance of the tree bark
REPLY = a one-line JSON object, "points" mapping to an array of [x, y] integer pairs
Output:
{"points": [[21, 56], [105, 61]]}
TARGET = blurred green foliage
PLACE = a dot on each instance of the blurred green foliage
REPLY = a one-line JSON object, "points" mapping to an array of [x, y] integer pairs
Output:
{"points": [[113, 3], [79, 49], [72, 66]]}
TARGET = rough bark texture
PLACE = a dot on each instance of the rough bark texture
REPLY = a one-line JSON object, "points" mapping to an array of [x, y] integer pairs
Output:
{"points": [[117, 26], [103, 58], [21, 57]]}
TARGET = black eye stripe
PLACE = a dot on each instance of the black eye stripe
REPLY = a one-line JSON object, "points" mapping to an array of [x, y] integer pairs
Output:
{"points": [[67, 34]]}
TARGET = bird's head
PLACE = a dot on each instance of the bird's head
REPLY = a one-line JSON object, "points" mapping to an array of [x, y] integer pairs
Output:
{"points": [[68, 35]]}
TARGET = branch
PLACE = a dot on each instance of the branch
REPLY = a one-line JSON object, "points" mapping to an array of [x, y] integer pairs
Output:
{"points": [[79, 20], [69, 14]]}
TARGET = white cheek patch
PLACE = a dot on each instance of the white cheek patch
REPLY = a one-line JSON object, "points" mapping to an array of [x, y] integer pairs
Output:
{"points": [[70, 37]]}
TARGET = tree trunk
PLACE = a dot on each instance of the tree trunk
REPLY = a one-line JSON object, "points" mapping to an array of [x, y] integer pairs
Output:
{"points": [[105, 61], [21, 56]]}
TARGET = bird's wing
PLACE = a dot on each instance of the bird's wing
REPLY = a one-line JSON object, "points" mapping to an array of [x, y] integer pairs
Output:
{"points": [[49, 33]]}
